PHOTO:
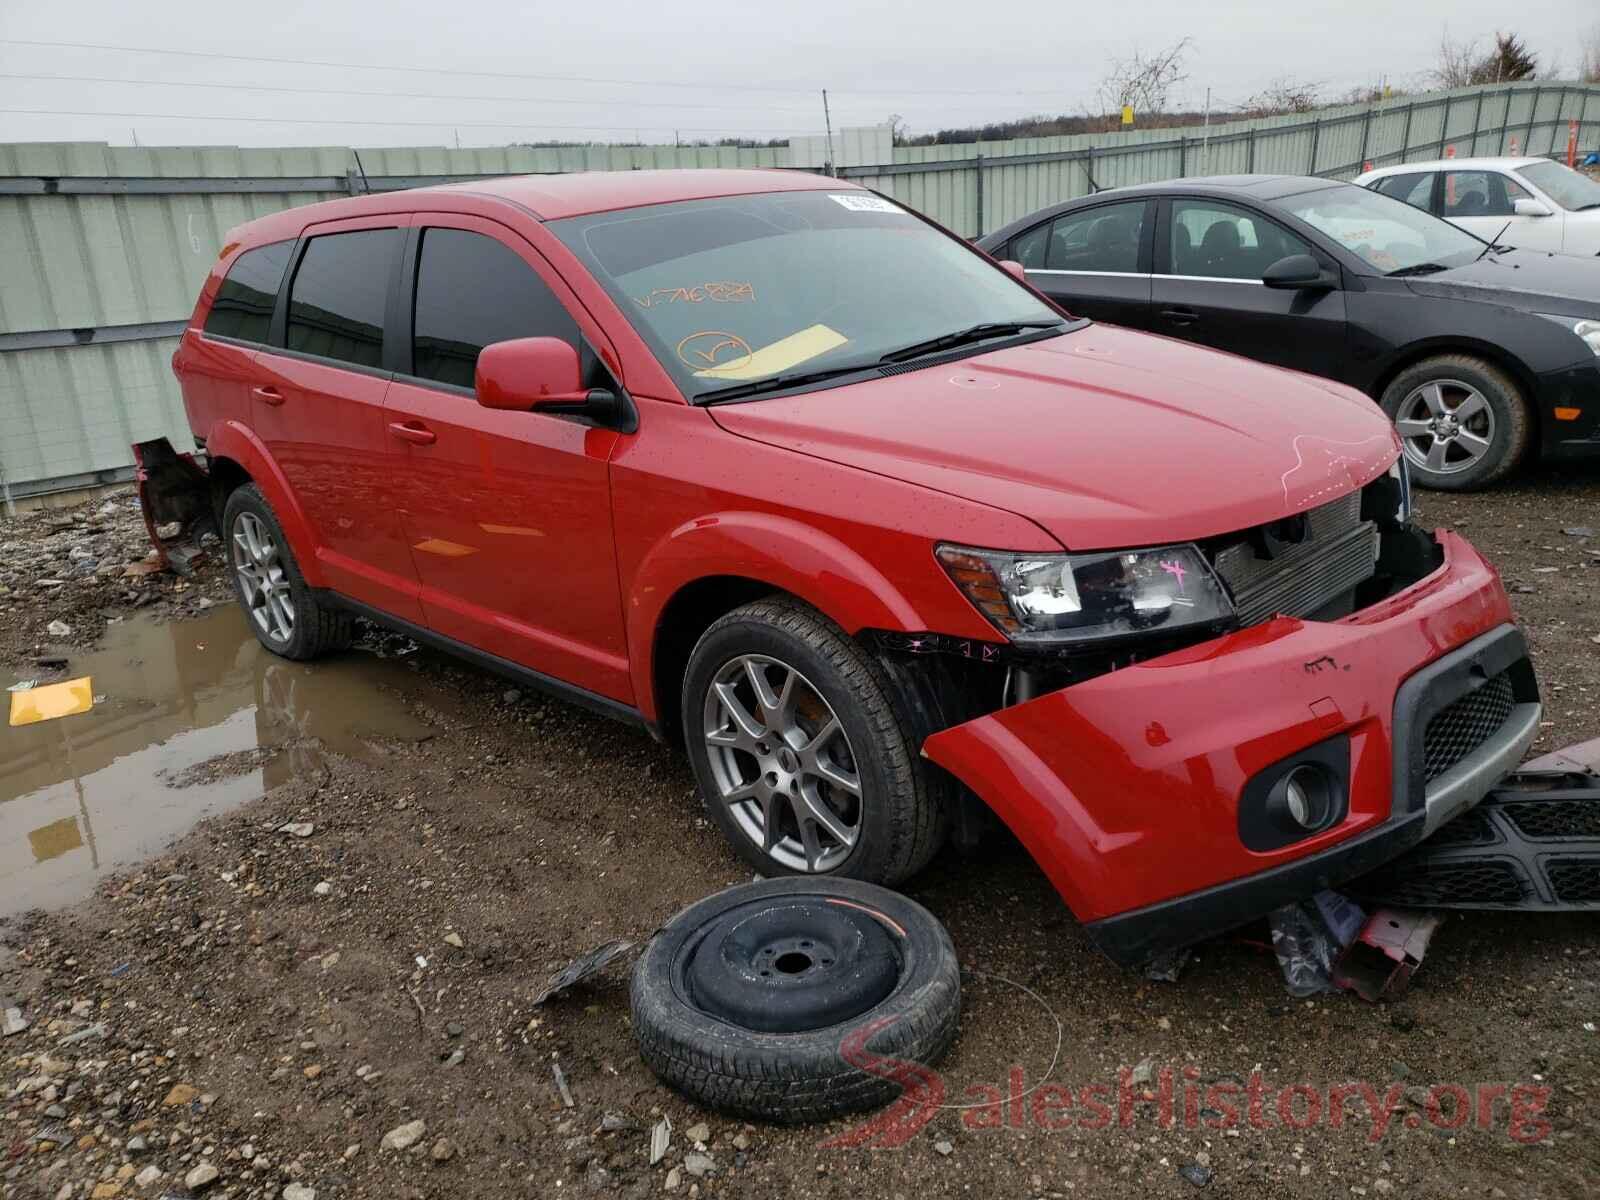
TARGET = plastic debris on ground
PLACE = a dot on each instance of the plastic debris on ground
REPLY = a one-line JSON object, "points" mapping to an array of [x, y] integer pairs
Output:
{"points": [[660, 1139], [1307, 938], [581, 968], [1380, 962], [12, 1021], [1167, 966], [48, 701]]}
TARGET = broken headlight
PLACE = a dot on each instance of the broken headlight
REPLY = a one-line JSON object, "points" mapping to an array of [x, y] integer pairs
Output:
{"points": [[1054, 599]]}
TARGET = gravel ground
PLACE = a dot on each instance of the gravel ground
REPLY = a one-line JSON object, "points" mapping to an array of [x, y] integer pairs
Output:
{"points": [[250, 1014]]}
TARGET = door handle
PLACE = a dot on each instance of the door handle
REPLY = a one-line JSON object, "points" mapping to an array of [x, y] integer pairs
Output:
{"points": [[411, 431], [267, 395], [1180, 316]]}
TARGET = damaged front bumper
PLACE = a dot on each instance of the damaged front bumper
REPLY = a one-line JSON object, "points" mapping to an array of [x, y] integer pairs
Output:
{"points": [[1133, 790]]}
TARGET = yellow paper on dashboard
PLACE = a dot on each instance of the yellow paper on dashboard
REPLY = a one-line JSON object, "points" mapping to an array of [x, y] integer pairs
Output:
{"points": [[780, 356]]}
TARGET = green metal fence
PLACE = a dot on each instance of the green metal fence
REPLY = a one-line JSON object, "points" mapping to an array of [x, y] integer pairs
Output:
{"points": [[103, 249]]}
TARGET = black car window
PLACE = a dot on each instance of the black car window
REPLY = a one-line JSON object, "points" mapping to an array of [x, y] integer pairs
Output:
{"points": [[244, 303], [1104, 238], [1415, 188], [337, 300], [1223, 242], [1028, 249], [473, 291], [1479, 194]]}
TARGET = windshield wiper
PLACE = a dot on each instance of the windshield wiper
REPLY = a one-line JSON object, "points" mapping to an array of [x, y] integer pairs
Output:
{"points": [[773, 383], [1427, 268], [962, 337]]}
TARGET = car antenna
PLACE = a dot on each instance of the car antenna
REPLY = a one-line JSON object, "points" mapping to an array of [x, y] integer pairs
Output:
{"points": [[1493, 243], [366, 188]]}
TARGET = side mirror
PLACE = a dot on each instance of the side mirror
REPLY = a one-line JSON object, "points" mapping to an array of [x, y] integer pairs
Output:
{"points": [[525, 372], [1012, 267], [1295, 272], [542, 374], [1529, 208]]}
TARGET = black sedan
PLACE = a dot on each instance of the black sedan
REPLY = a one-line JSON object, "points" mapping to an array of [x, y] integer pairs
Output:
{"points": [[1479, 353]]}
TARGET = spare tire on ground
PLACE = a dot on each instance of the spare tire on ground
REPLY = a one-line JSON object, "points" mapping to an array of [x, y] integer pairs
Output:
{"points": [[771, 999]]}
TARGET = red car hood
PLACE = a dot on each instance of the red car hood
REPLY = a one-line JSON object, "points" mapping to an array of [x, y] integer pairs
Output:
{"points": [[1105, 437]]}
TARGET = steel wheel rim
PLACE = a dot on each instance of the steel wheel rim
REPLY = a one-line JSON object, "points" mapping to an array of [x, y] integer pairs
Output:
{"points": [[263, 582], [1446, 426], [782, 764]]}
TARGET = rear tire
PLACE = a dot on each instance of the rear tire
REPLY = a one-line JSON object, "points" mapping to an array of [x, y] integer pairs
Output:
{"points": [[782, 764], [1463, 421], [284, 614]]}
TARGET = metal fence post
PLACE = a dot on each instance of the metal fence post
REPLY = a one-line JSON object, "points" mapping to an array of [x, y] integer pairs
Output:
{"points": [[1477, 122], [1250, 152], [1366, 135], [1533, 115], [978, 164], [1316, 133], [1405, 135]]}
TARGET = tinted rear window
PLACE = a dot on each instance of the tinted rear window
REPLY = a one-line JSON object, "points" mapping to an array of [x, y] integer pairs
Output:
{"points": [[472, 291], [339, 294], [243, 307]]}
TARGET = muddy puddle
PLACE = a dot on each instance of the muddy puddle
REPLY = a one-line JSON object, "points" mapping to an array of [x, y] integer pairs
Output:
{"points": [[190, 718]]}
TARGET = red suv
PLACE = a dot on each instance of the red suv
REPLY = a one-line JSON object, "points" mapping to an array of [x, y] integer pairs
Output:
{"points": [[775, 467]]}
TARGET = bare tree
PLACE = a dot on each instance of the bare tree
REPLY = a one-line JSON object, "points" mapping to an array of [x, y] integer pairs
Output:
{"points": [[1589, 56], [1283, 95], [1144, 82], [1456, 61], [1461, 64], [898, 130]]}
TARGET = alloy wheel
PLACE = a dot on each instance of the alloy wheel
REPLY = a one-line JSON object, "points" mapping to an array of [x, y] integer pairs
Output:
{"points": [[782, 763], [263, 582], [1446, 426]]}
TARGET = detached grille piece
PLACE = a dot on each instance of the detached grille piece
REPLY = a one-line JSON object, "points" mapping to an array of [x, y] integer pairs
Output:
{"points": [[1532, 844], [1459, 728], [1463, 884], [1337, 552]]}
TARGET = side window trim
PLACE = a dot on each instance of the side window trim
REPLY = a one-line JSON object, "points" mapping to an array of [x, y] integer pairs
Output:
{"points": [[403, 299], [278, 337], [1164, 244], [1142, 264]]}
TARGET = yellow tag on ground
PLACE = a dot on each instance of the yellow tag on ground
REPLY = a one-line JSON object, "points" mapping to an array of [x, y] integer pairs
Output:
{"points": [[780, 355], [52, 700]]}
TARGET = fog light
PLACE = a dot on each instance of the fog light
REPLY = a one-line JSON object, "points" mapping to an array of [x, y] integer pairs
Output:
{"points": [[1307, 797]]}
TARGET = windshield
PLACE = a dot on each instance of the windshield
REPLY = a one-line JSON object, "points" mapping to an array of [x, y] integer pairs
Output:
{"points": [[1574, 192], [742, 289], [1387, 233]]}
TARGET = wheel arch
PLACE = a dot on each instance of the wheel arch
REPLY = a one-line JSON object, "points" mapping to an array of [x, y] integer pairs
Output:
{"points": [[712, 565], [235, 456], [1497, 356]]}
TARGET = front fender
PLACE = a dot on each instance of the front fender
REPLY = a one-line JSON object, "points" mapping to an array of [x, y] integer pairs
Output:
{"points": [[785, 553], [232, 440]]}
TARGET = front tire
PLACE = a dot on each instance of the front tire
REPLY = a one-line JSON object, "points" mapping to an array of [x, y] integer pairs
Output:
{"points": [[284, 613], [805, 760], [1463, 422]]}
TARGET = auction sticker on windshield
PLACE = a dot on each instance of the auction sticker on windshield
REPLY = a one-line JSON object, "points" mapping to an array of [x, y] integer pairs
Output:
{"points": [[862, 202]]}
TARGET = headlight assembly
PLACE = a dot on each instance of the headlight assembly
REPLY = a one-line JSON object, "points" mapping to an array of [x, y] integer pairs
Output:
{"points": [[1040, 599], [1586, 328]]}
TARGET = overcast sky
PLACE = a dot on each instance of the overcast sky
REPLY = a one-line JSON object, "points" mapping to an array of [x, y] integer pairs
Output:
{"points": [[489, 72]]}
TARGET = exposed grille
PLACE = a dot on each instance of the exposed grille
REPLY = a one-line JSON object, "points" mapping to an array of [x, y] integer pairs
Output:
{"points": [[1556, 818], [1471, 828], [1338, 551], [1459, 728], [1575, 880], [1447, 884]]}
